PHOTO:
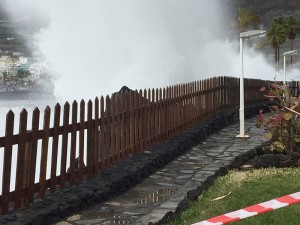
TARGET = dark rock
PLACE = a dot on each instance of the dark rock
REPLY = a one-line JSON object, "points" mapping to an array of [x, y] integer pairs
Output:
{"points": [[76, 165], [193, 194], [272, 160], [124, 89], [3, 221], [10, 217]]}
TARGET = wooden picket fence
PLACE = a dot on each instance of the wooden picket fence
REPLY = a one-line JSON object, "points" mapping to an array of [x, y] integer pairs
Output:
{"points": [[99, 133]]}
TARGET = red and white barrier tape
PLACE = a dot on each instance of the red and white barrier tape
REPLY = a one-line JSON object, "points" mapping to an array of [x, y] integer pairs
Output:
{"points": [[253, 210]]}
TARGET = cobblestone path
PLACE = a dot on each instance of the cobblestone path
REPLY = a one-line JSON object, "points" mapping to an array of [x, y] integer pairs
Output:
{"points": [[160, 193]]}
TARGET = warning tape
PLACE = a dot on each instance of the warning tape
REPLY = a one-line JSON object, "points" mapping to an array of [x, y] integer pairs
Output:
{"points": [[253, 210]]}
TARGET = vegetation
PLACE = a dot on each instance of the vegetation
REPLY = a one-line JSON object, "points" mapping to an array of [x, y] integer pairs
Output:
{"points": [[292, 26], [245, 17], [281, 29], [283, 124], [276, 36], [240, 189], [23, 74], [7, 77]]}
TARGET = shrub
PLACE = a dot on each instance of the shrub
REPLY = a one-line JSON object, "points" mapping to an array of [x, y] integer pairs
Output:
{"points": [[282, 124]]}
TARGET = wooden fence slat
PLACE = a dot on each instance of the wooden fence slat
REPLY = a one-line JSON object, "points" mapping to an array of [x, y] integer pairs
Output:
{"points": [[195, 112], [90, 149], [179, 108], [96, 137], [148, 119], [118, 126], [167, 116], [176, 110], [53, 180], [159, 117], [21, 176], [113, 128], [9, 129], [140, 121], [44, 153], [152, 119], [73, 164], [136, 122], [81, 140], [189, 104], [163, 115], [132, 122], [34, 143], [183, 107], [127, 123], [123, 126], [64, 148], [197, 101], [173, 110], [108, 130], [102, 134], [145, 101]]}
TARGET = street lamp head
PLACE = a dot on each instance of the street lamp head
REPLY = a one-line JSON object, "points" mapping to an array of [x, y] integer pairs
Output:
{"points": [[253, 33], [292, 52]]}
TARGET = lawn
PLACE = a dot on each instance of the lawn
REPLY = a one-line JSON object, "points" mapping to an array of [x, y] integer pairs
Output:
{"points": [[245, 188]]}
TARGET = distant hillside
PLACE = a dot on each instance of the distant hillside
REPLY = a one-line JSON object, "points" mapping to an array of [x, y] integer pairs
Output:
{"points": [[3, 14], [267, 10]]}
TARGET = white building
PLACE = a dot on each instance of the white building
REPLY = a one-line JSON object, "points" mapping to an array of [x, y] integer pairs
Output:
{"points": [[36, 69], [2, 66], [22, 60]]}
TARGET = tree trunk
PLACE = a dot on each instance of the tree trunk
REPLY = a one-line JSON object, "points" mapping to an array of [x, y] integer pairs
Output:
{"points": [[291, 55], [278, 54], [275, 57]]}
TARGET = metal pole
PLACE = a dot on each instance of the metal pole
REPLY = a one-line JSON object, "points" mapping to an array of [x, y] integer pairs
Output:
{"points": [[242, 105], [242, 119], [284, 68]]}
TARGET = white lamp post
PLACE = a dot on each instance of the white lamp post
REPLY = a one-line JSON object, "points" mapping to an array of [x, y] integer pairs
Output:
{"points": [[247, 34], [292, 52]]}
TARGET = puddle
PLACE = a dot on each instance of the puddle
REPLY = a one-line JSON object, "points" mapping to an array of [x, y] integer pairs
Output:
{"points": [[102, 213], [119, 220], [105, 216], [125, 211], [159, 195]]}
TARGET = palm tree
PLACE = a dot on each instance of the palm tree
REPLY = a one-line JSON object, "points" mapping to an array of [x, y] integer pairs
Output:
{"points": [[276, 36], [23, 74], [279, 20], [244, 18], [292, 26]]}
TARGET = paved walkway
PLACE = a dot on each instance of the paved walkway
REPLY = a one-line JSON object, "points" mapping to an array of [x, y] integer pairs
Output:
{"points": [[150, 200]]}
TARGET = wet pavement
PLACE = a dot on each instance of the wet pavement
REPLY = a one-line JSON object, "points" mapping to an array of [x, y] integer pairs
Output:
{"points": [[160, 193]]}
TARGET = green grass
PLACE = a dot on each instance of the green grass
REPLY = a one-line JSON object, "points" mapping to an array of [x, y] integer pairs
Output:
{"points": [[247, 188]]}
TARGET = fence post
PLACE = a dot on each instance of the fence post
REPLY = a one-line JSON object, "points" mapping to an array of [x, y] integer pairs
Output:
{"points": [[19, 187], [7, 161], [28, 147]]}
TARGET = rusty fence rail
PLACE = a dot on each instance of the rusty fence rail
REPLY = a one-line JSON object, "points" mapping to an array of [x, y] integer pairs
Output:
{"points": [[96, 134]]}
